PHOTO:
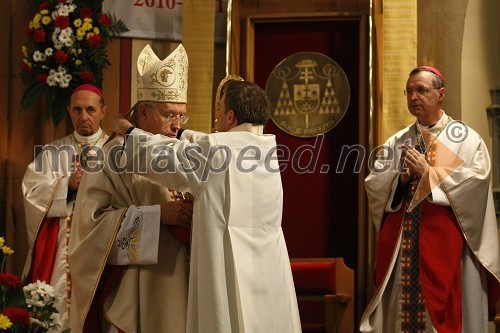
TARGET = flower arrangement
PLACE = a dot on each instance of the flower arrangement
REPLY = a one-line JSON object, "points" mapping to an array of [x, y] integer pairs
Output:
{"points": [[68, 40], [28, 309]]}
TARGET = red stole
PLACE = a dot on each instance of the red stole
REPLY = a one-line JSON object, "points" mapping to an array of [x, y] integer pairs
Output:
{"points": [[440, 252], [44, 251], [182, 234]]}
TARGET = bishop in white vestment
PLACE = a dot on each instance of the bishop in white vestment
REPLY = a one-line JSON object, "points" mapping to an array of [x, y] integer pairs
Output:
{"points": [[438, 262], [129, 240], [240, 275], [49, 189]]}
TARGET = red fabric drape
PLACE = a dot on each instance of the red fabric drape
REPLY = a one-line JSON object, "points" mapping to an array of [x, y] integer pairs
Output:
{"points": [[109, 279], [182, 234], [440, 251], [44, 251]]}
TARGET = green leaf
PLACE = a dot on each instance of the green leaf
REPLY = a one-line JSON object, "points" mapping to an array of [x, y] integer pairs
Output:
{"points": [[95, 5], [59, 108], [16, 298], [99, 57], [31, 95], [50, 96], [117, 27]]}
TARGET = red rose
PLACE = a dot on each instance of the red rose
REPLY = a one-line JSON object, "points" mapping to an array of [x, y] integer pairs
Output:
{"points": [[42, 78], [25, 68], [87, 77], [61, 56], [17, 315], [43, 5], [95, 40], [39, 36], [62, 22], [86, 13], [105, 20], [10, 280]]}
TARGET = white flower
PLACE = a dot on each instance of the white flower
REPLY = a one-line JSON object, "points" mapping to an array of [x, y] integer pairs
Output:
{"points": [[41, 296], [51, 82], [56, 323], [65, 81], [39, 293], [66, 37], [63, 9], [59, 78], [38, 56], [49, 51], [38, 322], [55, 39]]}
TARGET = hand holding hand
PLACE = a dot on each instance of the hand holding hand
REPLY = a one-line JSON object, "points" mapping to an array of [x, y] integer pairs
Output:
{"points": [[414, 161], [75, 178], [404, 172], [177, 213]]}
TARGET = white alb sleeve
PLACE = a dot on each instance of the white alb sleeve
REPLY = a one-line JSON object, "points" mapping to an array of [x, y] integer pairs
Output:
{"points": [[438, 197]]}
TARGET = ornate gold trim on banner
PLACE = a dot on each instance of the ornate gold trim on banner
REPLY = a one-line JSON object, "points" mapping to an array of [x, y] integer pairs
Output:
{"points": [[229, 11]]}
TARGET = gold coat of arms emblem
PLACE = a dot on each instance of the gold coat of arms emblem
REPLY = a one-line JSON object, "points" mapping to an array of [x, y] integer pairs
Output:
{"points": [[309, 94]]}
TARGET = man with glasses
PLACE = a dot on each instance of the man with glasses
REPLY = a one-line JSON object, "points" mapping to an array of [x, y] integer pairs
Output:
{"points": [[129, 250], [240, 275], [437, 255]]}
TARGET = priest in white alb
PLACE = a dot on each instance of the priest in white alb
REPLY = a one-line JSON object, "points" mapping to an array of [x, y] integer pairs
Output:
{"points": [[240, 274]]}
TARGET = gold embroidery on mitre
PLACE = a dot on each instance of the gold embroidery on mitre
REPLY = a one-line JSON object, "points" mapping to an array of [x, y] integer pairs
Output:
{"points": [[162, 80]]}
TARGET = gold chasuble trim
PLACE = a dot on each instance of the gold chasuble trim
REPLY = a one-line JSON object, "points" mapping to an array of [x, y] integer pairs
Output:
{"points": [[198, 34]]}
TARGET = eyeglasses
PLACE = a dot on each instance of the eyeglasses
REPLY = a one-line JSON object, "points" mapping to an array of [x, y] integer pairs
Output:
{"points": [[171, 117], [422, 91], [174, 117]]}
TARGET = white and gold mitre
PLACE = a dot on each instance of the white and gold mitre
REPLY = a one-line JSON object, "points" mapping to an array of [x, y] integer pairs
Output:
{"points": [[162, 80]]}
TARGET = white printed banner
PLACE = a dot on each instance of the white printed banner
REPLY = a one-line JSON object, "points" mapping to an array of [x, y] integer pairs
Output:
{"points": [[160, 19]]}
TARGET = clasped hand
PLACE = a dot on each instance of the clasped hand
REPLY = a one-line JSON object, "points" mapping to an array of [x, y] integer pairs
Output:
{"points": [[177, 213], [75, 177], [414, 163]]}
